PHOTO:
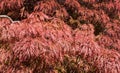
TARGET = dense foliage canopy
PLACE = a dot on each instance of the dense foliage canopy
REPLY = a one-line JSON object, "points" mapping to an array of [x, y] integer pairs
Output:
{"points": [[60, 36]]}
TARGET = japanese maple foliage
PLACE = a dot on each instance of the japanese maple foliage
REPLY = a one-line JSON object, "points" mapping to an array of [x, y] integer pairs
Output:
{"points": [[60, 36]]}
